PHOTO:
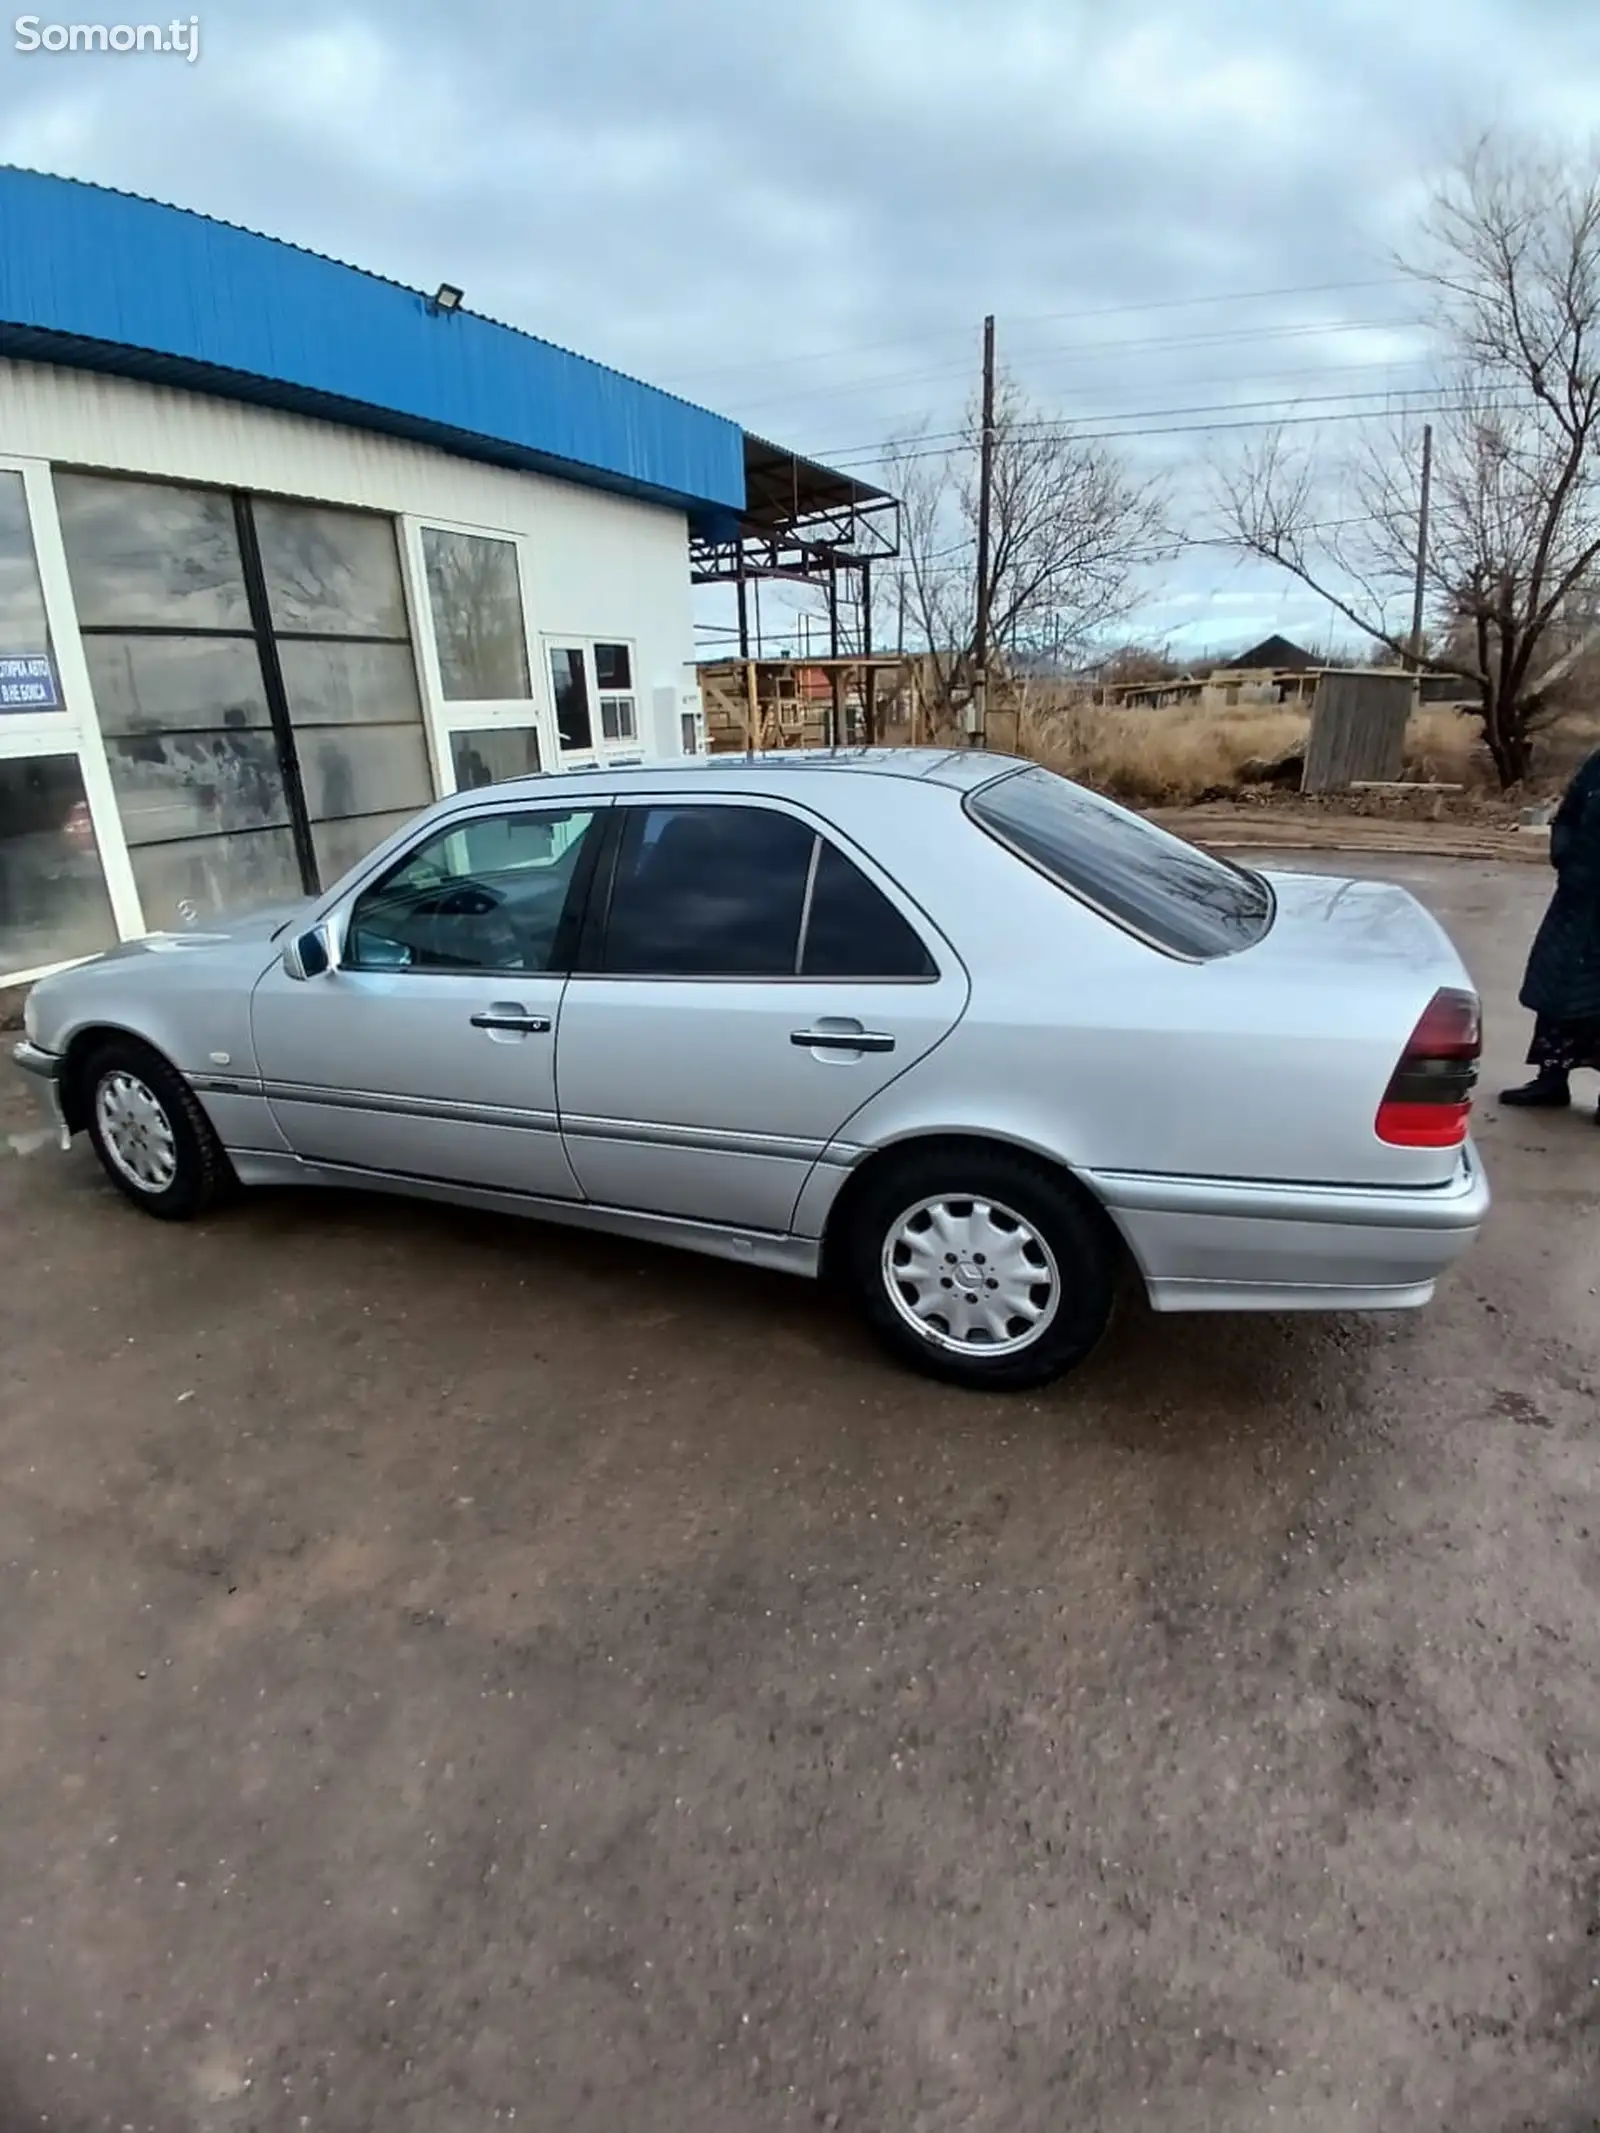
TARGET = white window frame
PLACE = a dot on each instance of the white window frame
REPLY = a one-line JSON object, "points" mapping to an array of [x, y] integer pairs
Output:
{"points": [[632, 748], [446, 716], [73, 729]]}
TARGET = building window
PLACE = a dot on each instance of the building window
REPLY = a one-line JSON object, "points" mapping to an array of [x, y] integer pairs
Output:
{"points": [[485, 755], [338, 613], [475, 598], [613, 673], [569, 684], [577, 698], [253, 678], [28, 679], [53, 899]]}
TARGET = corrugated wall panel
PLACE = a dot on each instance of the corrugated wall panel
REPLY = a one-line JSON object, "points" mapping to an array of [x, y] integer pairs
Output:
{"points": [[159, 292]]}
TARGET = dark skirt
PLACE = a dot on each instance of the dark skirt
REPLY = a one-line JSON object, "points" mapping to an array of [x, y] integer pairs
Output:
{"points": [[1559, 1047]]}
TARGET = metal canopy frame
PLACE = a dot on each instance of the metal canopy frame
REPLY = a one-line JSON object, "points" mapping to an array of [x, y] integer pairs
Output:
{"points": [[800, 520], [803, 522]]}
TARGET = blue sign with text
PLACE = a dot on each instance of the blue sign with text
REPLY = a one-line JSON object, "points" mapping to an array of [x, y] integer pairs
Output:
{"points": [[28, 683]]}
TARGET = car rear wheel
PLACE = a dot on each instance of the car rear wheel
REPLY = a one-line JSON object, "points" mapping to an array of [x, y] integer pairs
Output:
{"points": [[981, 1267], [153, 1140]]}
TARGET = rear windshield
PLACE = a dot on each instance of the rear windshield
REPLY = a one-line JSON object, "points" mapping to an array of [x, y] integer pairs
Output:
{"points": [[1180, 899]]}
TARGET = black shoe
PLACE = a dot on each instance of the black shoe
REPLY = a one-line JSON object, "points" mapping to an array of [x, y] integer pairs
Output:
{"points": [[1546, 1092]]}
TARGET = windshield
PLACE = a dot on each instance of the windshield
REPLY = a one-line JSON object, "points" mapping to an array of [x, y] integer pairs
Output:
{"points": [[1174, 895]]}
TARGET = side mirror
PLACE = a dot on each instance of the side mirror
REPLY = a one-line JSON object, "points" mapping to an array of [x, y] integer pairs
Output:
{"points": [[314, 954]]}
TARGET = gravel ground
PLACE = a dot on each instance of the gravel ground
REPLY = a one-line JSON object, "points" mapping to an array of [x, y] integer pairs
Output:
{"points": [[457, 1674]]}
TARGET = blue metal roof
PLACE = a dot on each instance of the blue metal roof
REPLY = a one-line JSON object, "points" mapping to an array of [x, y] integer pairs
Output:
{"points": [[107, 281]]}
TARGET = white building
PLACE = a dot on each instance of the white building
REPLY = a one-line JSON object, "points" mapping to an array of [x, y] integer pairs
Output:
{"points": [[287, 550]]}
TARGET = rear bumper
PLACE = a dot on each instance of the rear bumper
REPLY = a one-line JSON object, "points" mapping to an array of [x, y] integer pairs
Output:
{"points": [[1219, 1244], [43, 1070]]}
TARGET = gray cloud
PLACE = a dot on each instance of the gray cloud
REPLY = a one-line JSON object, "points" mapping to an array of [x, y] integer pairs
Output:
{"points": [[799, 218]]}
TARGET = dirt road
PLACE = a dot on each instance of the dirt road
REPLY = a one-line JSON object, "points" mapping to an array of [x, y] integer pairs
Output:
{"points": [[458, 1675]]}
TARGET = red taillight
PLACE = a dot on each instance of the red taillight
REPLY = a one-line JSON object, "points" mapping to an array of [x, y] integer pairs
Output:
{"points": [[1429, 1099]]}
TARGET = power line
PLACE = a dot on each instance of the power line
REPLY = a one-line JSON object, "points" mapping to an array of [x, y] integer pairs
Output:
{"points": [[1050, 425], [1055, 429], [1196, 429], [1045, 318], [1092, 351]]}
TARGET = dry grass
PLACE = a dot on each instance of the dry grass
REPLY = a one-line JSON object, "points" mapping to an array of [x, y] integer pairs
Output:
{"points": [[1165, 758], [1156, 758]]}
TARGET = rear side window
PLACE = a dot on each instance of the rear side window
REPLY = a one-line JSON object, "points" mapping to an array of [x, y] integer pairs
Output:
{"points": [[708, 892], [1177, 897], [853, 931], [747, 892]]}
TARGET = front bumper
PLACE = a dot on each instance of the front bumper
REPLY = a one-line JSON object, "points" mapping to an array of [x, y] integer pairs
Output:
{"points": [[43, 1070], [1227, 1245]]}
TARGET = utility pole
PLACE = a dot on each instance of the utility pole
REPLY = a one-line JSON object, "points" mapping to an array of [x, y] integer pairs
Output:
{"points": [[1422, 547], [980, 632]]}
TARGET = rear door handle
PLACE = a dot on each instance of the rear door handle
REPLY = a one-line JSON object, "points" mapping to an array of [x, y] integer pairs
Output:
{"points": [[506, 1015], [842, 1040]]}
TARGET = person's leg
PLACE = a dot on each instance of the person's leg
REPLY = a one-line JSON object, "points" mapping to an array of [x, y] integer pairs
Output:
{"points": [[1550, 1056]]}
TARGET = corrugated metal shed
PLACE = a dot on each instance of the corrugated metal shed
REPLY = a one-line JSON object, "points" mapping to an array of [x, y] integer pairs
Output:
{"points": [[104, 280]]}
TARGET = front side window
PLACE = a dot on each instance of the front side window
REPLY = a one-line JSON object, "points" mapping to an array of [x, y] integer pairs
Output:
{"points": [[475, 597], [487, 894], [1173, 895], [746, 892]]}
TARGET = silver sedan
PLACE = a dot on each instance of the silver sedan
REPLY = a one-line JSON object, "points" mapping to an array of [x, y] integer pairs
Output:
{"points": [[944, 1026]]}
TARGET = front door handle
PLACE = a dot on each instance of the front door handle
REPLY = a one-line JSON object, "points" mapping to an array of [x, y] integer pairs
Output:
{"points": [[842, 1040], [510, 1015]]}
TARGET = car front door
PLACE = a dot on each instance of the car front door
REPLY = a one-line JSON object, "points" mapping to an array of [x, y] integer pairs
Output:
{"points": [[429, 1050], [748, 986]]}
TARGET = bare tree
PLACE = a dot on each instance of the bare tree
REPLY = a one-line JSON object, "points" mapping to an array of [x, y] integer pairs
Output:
{"points": [[1069, 525], [1509, 259]]}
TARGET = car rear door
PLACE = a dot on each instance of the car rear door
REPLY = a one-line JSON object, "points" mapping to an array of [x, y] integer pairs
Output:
{"points": [[747, 983], [430, 1051]]}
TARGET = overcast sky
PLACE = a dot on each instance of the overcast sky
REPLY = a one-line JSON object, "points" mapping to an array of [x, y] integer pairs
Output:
{"points": [[799, 216]]}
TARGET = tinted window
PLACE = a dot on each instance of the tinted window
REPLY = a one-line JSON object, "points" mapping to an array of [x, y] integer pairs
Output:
{"points": [[854, 932], [482, 895], [708, 892], [1180, 898]]}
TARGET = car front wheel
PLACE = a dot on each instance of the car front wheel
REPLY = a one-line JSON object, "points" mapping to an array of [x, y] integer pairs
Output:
{"points": [[153, 1140], [981, 1267]]}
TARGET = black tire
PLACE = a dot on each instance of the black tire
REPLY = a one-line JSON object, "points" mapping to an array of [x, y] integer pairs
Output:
{"points": [[201, 1172], [1059, 1222]]}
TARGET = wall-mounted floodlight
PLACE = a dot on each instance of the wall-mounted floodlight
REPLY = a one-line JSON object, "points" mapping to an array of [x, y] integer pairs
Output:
{"points": [[446, 298]]}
